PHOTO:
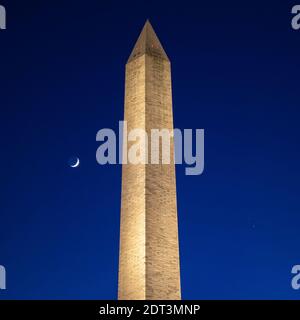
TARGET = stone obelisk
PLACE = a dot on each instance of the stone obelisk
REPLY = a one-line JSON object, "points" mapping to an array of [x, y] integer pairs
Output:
{"points": [[149, 254]]}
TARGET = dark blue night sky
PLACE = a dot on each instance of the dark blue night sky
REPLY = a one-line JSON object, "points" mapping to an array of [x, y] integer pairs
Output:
{"points": [[235, 69]]}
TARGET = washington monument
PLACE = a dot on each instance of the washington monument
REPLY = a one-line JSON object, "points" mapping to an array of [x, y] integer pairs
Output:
{"points": [[149, 254]]}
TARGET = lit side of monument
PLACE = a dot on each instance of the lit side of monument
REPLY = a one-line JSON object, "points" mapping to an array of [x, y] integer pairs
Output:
{"points": [[149, 254]]}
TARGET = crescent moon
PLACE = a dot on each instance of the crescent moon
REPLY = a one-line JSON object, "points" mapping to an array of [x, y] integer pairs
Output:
{"points": [[76, 164]]}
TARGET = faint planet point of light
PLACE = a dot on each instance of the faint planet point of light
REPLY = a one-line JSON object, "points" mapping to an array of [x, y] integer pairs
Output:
{"points": [[74, 162]]}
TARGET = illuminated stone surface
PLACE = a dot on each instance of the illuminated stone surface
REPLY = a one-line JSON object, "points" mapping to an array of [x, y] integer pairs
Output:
{"points": [[149, 255]]}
